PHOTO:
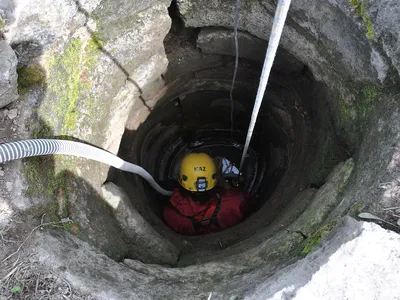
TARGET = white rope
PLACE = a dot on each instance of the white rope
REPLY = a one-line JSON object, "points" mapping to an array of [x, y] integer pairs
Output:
{"points": [[276, 32], [235, 37]]}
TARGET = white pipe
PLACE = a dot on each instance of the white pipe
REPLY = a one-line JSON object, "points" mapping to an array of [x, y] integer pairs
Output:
{"points": [[276, 32], [37, 147]]}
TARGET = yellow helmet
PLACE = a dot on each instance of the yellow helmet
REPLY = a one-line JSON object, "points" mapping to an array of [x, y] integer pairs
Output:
{"points": [[197, 172]]}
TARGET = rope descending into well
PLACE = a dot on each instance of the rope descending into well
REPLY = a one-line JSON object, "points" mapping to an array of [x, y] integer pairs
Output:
{"points": [[235, 36], [276, 32]]}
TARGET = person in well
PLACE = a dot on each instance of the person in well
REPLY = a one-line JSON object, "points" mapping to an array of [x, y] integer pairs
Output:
{"points": [[199, 205]]}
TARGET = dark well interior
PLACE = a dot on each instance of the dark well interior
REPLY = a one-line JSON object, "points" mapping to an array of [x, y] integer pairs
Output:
{"points": [[192, 113]]}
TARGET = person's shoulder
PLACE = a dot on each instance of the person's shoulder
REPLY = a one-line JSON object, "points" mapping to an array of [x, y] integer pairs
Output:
{"points": [[176, 192], [179, 195]]}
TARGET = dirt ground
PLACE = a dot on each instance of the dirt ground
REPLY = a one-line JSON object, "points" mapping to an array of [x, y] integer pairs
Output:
{"points": [[21, 276]]}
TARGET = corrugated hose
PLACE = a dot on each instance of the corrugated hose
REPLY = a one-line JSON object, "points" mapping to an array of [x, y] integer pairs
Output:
{"points": [[38, 147]]}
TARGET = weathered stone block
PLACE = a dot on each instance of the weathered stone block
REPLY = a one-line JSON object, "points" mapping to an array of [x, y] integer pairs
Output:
{"points": [[8, 74], [221, 41], [146, 244]]}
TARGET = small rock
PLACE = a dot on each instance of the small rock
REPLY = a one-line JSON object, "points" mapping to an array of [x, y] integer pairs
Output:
{"points": [[13, 113], [3, 113], [9, 186], [1, 173]]}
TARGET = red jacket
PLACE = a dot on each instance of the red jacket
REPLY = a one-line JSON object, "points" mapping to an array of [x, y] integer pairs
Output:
{"points": [[221, 211]]}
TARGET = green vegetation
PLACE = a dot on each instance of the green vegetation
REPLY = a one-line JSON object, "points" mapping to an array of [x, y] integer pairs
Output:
{"points": [[56, 190], [355, 208], [41, 130], [65, 81], [2, 24], [371, 93], [348, 168], [44, 184], [318, 236], [72, 227], [355, 110], [368, 97], [16, 289], [324, 52], [42, 181], [361, 10], [37, 183], [66, 108], [29, 75], [69, 85], [325, 161]]}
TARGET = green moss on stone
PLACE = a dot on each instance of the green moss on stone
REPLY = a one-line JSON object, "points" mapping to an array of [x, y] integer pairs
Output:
{"points": [[325, 161], [62, 195], [355, 208], [354, 113], [316, 238], [324, 52], [73, 227], [94, 44], [2, 24], [346, 171], [30, 75], [371, 92], [69, 84], [41, 130], [368, 97], [64, 85], [37, 183], [41, 179], [39, 173], [48, 211], [68, 106], [361, 10], [311, 244]]}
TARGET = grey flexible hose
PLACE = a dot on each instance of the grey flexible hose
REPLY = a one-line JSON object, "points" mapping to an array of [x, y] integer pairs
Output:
{"points": [[38, 147]]}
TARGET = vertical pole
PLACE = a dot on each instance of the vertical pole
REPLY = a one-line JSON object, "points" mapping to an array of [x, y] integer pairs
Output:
{"points": [[276, 32]]}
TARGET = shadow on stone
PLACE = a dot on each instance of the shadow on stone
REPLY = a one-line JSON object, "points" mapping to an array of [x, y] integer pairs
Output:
{"points": [[61, 195]]}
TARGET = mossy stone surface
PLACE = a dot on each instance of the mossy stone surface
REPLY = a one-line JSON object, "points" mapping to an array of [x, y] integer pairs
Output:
{"points": [[360, 8], [2, 24], [67, 104], [29, 75], [316, 238]]}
